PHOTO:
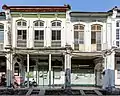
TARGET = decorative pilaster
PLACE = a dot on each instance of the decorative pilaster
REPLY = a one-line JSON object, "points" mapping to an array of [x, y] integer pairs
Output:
{"points": [[8, 19]]}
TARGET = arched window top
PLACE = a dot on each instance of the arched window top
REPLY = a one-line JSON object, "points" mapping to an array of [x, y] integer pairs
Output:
{"points": [[79, 27], [96, 27], [1, 26], [56, 23], [21, 22], [118, 23], [39, 23]]}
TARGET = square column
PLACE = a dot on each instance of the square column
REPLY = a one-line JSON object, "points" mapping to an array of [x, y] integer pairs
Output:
{"points": [[9, 73], [28, 70], [67, 61], [109, 76], [50, 70], [67, 70], [111, 61]]}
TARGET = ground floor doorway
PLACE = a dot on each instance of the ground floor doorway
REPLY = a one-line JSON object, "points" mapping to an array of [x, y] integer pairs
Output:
{"points": [[2, 65], [82, 72], [117, 70], [43, 75]]}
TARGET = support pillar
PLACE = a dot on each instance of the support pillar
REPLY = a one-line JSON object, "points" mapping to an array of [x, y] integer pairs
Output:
{"points": [[109, 77], [50, 70], [9, 75], [28, 70], [67, 61], [67, 70], [12, 68]]}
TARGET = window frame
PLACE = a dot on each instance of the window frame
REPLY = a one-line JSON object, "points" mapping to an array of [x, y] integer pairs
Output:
{"points": [[57, 38], [118, 33], [21, 28], [39, 36], [94, 40], [22, 35], [56, 28], [39, 23], [56, 24], [39, 28], [2, 31], [21, 25], [80, 29]]}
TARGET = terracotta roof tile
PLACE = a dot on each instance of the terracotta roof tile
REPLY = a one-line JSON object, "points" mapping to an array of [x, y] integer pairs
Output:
{"points": [[37, 8]]}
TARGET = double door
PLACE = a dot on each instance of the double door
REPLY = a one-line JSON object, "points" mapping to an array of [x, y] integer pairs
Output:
{"points": [[43, 75]]}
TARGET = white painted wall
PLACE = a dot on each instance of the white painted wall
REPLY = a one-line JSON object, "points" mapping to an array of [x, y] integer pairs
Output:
{"points": [[30, 31], [87, 32], [67, 33]]}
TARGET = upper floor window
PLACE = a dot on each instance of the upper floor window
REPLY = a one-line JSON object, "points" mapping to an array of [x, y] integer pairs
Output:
{"points": [[96, 33], [39, 23], [96, 30], [1, 32], [79, 33], [39, 34], [118, 33], [21, 33], [39, 26], [56, 30], [56, 23], [39, 30], [118, 24], [21, 23], [56, 33]]}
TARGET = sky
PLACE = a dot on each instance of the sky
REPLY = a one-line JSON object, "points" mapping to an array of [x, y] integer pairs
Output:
{"points": [[76, 5]]}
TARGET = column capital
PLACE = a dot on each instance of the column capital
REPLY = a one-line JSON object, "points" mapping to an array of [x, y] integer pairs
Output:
{"points": [[68, 49]]}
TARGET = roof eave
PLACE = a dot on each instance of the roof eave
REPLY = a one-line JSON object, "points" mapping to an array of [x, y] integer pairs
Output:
{"points": [[96, 14], [37, 8]]}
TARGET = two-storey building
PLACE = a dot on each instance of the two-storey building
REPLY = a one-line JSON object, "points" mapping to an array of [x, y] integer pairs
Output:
{"points": [[88, 33], [3, 32], [43, 41], [93, 43], [38, 39], [115, 41]]}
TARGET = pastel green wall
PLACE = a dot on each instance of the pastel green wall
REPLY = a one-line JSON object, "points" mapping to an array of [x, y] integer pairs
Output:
{"points": [[43, 15]]}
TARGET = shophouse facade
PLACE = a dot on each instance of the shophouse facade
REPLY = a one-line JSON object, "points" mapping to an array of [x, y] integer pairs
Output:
{"points": [[44, 41], [3, 31], [38, 43]]}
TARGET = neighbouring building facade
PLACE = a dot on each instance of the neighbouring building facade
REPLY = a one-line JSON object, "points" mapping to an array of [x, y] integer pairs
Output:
{"points": [[3, 32], [41, 42]]}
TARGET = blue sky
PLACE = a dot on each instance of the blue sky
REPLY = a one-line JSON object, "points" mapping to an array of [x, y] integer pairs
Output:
{"points": [[77, 5]]}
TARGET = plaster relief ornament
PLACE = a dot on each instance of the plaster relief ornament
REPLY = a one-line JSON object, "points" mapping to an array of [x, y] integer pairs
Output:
{"points": [[9, 35]]}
